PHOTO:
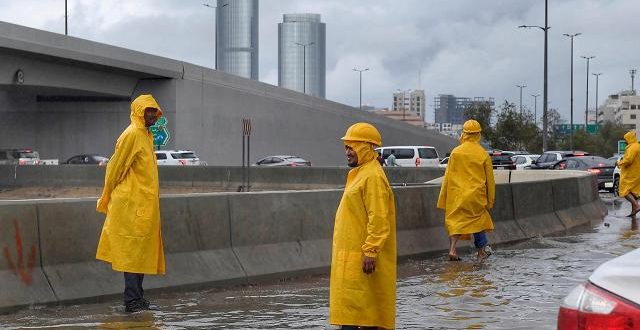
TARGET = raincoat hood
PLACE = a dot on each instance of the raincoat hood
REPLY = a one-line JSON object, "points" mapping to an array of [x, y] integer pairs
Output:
{"points": [[471, 131], [630, 137], [138, 106], [364, 151]]}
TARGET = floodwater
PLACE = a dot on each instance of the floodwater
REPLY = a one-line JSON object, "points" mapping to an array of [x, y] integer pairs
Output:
{"points": [[519, 287]]}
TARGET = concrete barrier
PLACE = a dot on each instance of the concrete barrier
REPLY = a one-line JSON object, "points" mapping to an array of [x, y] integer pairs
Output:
{"points": [[22, 281], [230, 238]]}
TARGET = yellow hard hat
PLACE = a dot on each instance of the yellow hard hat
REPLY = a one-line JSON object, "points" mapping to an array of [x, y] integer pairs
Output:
{"points": [[471, 126], [364, 132]]}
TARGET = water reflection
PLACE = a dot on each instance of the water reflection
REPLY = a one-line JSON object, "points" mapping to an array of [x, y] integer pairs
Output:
{"points": [[139, 321]]}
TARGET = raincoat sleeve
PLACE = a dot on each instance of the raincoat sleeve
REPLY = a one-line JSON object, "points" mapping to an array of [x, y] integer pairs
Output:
{"points": [[442, 198], [491, 183], [629, 155], [376, 202], [117, 168]]}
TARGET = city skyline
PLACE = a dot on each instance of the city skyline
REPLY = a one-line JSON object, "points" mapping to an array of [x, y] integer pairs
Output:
{"points": [[457, 47]]}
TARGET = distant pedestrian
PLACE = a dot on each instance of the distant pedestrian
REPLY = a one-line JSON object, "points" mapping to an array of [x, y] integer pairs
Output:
{"points": [[391, 160], [131, 240], [362, 292], [468, 193], [629, 164]]}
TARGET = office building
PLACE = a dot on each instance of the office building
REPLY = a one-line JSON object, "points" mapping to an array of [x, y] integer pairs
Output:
{"points": [[449, 109], [410, 102], [237, 37], [301, 54]]}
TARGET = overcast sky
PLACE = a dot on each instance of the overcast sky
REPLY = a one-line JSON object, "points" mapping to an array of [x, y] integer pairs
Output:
{"points": [[462, 47]]}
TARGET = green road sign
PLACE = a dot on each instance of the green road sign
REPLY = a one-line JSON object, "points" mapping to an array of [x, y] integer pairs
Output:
{"points": [[622, 144], [160, 133]]}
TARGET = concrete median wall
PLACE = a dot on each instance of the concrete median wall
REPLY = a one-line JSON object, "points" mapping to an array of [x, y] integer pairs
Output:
{"points": [[231, 238], [216, 177]]}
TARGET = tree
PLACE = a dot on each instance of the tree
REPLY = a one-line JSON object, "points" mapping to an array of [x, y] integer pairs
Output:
{"points": [[515, 131]]}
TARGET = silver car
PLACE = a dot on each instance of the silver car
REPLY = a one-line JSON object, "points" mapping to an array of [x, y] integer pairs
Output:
{"points": [[610, 299], [283, 160]]}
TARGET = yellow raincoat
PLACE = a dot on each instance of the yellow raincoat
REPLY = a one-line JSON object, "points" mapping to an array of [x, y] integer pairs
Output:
{"points": [[365, 224], [131, 239], [630, 167], [468, 188]]}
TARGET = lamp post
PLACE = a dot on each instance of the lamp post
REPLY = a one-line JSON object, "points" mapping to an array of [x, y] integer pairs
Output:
{"points": [[586, 105], [360, 71], [215, 32], [521, 87], [66, 30], [545, 97], [571, 122], [535, 108], [597, 76], [304, 64]]}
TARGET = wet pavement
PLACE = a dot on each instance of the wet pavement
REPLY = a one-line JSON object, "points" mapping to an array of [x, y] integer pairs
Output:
{"points": [[519, 287]]}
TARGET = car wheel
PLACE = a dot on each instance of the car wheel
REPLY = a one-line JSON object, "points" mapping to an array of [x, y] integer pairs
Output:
{"points": [[616, 185]]}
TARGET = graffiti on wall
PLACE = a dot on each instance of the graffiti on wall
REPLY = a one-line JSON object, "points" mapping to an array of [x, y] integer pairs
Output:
{"points": [[23, 269]]}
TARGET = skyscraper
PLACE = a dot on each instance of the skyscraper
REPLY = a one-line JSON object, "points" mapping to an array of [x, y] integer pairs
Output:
{"points": [[237, 37], [301, 54]]}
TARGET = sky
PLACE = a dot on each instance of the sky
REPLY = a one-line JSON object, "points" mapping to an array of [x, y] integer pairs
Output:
{"points": [[467, 48]]}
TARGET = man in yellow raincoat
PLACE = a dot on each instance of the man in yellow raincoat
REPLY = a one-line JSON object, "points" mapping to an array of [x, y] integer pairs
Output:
{"points": [[131, 240], [630, 172], [363, 257], [468, 192]]}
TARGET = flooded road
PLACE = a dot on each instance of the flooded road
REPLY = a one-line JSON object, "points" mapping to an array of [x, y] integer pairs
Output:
{"points": [[519, 287]]}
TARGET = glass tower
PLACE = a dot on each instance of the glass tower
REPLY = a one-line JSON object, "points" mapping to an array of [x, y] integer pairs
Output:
{"points": [[237, 37], [301, 54]]}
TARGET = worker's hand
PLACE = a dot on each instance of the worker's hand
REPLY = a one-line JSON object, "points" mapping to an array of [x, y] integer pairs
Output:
{"points": [[368, 264]]}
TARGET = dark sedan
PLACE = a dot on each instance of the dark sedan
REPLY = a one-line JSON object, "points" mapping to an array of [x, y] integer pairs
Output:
{"points": [[88, 160], [601, 167], [501, 160]]}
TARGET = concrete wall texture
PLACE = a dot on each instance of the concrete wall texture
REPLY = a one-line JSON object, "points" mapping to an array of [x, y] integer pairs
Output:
{"points": [[216, 239], [75, 98]]}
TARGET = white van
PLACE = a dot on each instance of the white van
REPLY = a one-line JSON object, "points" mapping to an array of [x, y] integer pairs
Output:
{"points": [[412, 156]]}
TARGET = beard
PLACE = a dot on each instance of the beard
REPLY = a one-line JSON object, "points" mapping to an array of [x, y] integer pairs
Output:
{"points": [[353, 163]]}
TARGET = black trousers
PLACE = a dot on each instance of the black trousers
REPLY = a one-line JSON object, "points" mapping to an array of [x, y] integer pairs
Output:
{"points": [[133, 287]]}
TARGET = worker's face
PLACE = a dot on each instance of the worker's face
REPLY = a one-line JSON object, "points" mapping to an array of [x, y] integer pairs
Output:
{"points": [[150, 116], [352, 156]]}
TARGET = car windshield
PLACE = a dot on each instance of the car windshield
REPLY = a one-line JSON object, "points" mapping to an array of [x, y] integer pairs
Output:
{"points": [[183, 155]]}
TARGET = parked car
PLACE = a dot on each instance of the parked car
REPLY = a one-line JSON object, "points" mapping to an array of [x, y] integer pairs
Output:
{"points": [[601, 167], [548, 159], [412, 156], [502, 160], [178, 157], [283, 160], [610, 299], [19, 157], [88, 160], [524, 161]]}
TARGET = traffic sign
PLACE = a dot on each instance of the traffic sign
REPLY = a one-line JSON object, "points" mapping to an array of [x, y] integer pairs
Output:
{"points": [[622, 144], [160, 132]]}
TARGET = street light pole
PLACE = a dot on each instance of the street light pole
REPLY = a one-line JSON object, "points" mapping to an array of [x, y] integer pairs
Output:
{"points": [[535, 108], [586, 105], [304, 64], [571, 128], [360, 72], [215, 32], [521, 87], [597, 76], [66, 30], [545, 94]]}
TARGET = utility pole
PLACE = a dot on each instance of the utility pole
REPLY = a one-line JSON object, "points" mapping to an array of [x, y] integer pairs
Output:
{"points": [[66, 21], [215, 31], [586, 106], [360, 72], [545, 94], [535, 108], [521, 87], [597, 76], [571, 122], [633, 74]]}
